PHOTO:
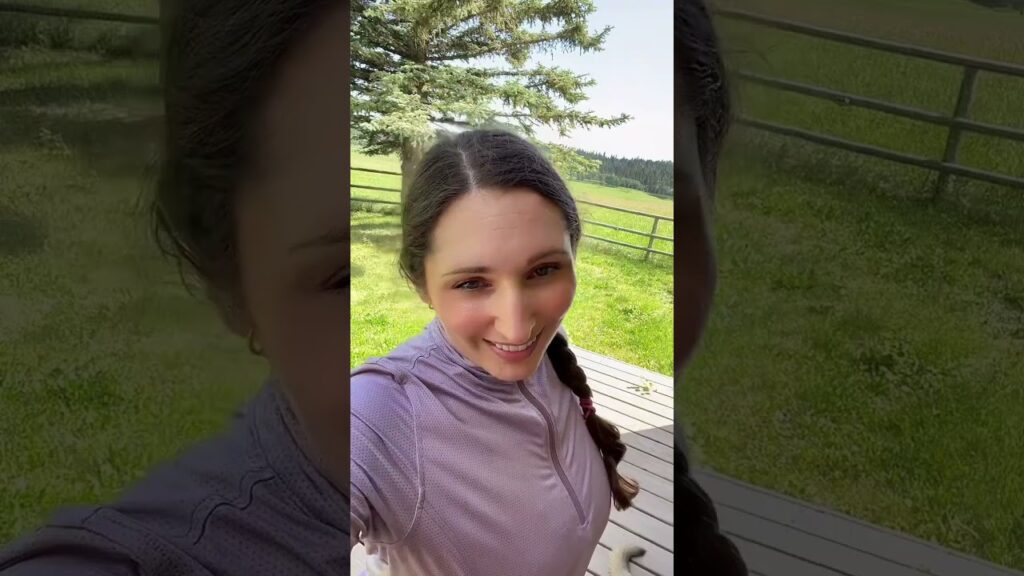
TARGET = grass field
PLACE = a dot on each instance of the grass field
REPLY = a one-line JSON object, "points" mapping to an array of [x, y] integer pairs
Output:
{"points": [[912, 82], [623, 306], [872, 338], [109, 38], [107, 365]]}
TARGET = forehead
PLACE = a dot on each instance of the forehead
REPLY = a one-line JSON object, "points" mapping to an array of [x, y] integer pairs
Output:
{"points": [[499, 226], [305, 118]]}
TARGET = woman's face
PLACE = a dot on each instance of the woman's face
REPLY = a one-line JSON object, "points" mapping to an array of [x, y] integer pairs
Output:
{"points": [[500, 275], [293, 222]]}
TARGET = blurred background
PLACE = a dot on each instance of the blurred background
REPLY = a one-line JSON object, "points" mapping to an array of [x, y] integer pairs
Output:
{"points": [[866, 352], [108, 365]]}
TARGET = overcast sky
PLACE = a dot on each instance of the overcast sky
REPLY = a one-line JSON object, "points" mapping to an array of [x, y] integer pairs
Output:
{"points": [[634, 76]]}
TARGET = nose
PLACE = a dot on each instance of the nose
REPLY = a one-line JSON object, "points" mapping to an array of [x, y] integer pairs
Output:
{"points": [[513, 317]]}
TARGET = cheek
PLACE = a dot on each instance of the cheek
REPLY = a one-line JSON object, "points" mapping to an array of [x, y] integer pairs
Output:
{"points": [[311, 345], [464, 316], [310, 357], [556, 298]]}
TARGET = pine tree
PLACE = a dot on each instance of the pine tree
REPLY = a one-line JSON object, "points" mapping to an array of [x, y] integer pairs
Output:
{"points": [[419, 62]]}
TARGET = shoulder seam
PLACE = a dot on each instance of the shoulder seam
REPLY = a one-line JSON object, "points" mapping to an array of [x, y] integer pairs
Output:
{"points": [[244, 499]]}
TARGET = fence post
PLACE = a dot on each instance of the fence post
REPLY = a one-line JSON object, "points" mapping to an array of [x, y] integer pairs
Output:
{"points": [[650, 241], [963, 107]]}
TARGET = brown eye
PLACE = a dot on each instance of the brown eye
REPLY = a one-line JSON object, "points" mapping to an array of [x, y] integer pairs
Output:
{"points": [[546, 270], [470, 285]]}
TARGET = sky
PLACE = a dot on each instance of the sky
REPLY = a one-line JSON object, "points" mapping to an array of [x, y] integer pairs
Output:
{"points": [[634, 76]]}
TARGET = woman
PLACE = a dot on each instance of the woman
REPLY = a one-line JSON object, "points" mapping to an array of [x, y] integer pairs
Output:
{"points": [[251, 197], [476, 448], [702, 114]]}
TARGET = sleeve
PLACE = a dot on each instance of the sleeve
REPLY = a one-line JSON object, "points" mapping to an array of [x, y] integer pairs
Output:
{"points": [[385, 473], [66, 551]]}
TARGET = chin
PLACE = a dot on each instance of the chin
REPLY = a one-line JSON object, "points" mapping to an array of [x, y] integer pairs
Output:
{"points": [[511, 373]]}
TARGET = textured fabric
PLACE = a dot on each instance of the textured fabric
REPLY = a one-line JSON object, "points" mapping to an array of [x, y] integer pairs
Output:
{"points": [[248, 503], [455, 472]]}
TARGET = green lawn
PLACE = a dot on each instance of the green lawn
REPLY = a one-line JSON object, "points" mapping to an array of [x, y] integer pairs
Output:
{"points": [[867, 346], [623, 305], [111, 38], [911, 82], [107, 365]]}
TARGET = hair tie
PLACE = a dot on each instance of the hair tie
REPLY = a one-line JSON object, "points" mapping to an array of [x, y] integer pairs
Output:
{"points": [[587, 404]]}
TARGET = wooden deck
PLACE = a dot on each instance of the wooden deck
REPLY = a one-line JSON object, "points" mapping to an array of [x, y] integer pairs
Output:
{"points": [[640, 403], [781, 536], [645, 419]]}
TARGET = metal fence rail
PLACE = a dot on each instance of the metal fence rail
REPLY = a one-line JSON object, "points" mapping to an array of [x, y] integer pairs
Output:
{"points": [[957, 124], [651, 236]]}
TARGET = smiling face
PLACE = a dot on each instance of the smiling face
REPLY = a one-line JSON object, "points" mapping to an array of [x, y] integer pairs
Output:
{"points": [[500, 274], [293, 235]]}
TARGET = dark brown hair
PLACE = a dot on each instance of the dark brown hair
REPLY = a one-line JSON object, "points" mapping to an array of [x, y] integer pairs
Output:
{"points": [[701, 77], [501, 160], [219, 60], [703, 82]]}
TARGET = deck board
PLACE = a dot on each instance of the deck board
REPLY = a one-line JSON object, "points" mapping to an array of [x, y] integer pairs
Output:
{"points": [[629, 369], [643, 444], [599, 564], [647, 462], [779, 535], [656, 407], [654, 505], [644, 418], [650, 440], [630, 424], [645, 421]]}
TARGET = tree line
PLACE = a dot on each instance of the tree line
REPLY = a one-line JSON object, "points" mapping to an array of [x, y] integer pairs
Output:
{"points": [[651, 176]]}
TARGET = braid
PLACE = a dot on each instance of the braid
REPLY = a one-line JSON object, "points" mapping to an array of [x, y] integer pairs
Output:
{"points": [[604, 433]]}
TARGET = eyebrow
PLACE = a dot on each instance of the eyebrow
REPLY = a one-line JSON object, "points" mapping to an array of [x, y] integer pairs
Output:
{"points": [[485, 269], [332, 238]]}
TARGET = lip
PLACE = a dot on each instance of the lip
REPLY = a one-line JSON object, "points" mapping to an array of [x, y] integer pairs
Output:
{"points": [[514, 356]]}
